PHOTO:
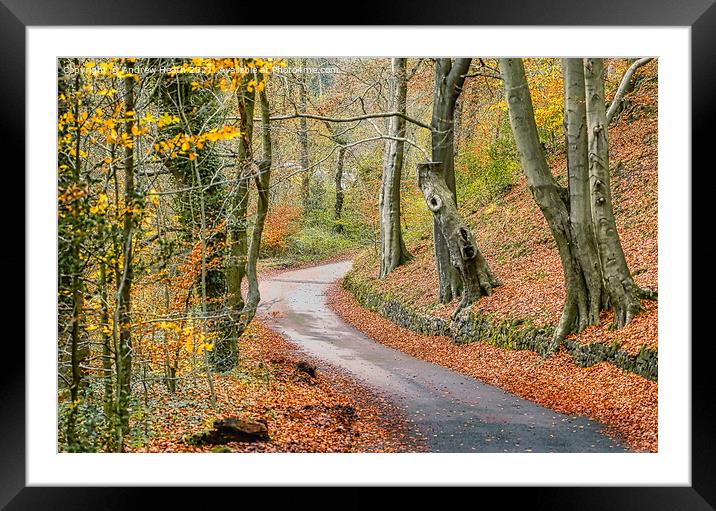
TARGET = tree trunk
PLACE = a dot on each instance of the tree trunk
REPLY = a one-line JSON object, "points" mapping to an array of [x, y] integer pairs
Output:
{"points": [[124, 292], [262, 179], [623, 293], [449, 79], [76, 287], [338, 210], [303, 141], [393, 252], [580, 210], [225, 356], [549, 196], [465, 257]]}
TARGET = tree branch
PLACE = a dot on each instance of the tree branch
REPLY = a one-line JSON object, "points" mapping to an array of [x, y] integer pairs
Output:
{"points": [[623, 86]]}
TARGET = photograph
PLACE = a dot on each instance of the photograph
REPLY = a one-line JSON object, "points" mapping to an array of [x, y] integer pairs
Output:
{"points": [[344, 254]]}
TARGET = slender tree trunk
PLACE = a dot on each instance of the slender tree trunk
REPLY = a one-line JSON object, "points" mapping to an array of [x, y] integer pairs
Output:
{"points": [[262, 179], [623, 293], [393, 252], [203, 235], [77, 301], [303, 141], [225, 354], [124, 292], [106, 342], [552, 200], [469, 264], [449, 79], [338, 209]]}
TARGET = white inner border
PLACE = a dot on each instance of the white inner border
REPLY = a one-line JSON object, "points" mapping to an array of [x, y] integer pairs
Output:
{"points": [[671, 465]]}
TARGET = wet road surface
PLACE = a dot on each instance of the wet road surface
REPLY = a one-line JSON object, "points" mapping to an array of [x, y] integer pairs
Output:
{"points": [[449, 411]]}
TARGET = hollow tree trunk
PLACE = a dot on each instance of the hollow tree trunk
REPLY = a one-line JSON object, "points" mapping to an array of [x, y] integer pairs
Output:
{"points": [[549, 196], [449, 79], [622, 292], [393, 252], [580, 209], [475, 275], [338, 209]]}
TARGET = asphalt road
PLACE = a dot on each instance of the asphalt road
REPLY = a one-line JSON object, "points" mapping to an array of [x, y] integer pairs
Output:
{"points": [[451, 412]]}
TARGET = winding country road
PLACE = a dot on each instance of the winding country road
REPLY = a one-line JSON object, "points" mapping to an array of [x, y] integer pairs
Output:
{"points": [[451, 412]]}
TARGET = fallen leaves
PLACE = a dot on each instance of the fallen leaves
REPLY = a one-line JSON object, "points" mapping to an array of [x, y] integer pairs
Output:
{"points": [[327, 412], [625, 402]]}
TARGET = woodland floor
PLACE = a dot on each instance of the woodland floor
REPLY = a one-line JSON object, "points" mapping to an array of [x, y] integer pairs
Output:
{"points": [[328, 413]]}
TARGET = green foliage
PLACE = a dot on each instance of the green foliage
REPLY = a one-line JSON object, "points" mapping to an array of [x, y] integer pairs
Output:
{"points": [[92, 426], [486, 178], [315, 242]]}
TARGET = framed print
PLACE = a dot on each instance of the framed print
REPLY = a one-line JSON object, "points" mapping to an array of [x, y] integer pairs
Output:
{"points": [[378, 255]]}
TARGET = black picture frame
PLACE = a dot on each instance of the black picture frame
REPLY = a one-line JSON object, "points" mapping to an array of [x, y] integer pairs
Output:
{"points": [[700, 15]]}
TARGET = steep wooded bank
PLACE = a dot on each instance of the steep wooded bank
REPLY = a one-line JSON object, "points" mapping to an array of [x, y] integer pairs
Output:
{"points": [[514, 236]]}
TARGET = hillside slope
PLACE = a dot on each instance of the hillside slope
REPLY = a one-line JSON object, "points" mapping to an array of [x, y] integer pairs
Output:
{"points": [[515, 239]]}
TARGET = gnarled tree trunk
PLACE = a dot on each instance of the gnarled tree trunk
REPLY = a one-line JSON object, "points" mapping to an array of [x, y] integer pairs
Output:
{"points": [[393, 252], [469, 264], [449, 79]]}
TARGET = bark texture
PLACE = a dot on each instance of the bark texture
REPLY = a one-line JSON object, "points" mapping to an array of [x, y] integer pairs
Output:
{"points": [[393, 252], [475, 275]]}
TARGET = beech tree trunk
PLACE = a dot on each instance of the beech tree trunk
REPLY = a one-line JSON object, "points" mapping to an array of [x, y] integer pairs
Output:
{"points": [[622, 292], [180, 98], [580, 210], [393, 252], [449, 79], [552, 199], [475, 275]]}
